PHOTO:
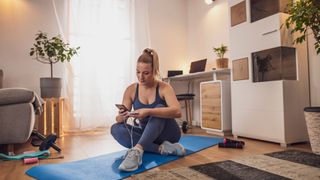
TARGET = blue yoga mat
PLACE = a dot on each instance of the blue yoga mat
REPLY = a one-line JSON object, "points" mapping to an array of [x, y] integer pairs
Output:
{"points": [[106, 166]]}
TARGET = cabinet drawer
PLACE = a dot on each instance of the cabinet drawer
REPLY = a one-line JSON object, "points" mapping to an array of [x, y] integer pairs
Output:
{"points": [[211, 105]]}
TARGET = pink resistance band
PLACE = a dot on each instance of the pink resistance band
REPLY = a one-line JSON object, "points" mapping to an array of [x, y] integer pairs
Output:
{"points": [[30, 160]]}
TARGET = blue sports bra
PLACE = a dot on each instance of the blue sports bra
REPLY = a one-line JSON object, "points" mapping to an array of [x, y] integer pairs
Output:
{"points": [[138, 105]]}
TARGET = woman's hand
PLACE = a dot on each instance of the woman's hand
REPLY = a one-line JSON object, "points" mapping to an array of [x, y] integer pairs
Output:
{"points": [[122, 116], [139, 113]]}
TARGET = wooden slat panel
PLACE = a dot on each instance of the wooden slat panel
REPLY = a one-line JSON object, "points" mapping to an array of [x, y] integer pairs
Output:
{"points": [[211, 105], [50, 121], [49, 117], [58, 115], [42, 121]]}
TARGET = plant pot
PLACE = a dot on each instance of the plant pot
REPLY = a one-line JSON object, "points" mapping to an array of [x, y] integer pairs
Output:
{"points": [[50, 87], [222, 63], [312, 116]]}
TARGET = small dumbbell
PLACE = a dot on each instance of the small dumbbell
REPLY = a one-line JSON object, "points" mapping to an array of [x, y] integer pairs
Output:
{"points": [[185, 126], [226, 141], [231, 145]]}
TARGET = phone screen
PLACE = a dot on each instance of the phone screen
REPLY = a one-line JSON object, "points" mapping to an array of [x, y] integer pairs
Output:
{"points": [[122, 107]]}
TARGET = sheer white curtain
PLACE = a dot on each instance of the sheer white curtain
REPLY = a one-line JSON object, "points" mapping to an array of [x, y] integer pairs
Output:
{"points": [[105, 31]]}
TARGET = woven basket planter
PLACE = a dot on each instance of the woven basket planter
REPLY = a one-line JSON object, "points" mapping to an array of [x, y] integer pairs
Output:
{"points": [[222, 63], [312, 116]]}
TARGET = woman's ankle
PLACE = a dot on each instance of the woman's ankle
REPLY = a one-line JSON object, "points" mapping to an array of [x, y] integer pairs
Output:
{"points": [[139, 148]]}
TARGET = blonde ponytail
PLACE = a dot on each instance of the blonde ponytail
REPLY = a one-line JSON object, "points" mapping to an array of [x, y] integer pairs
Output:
{"points": [[150, 56]]}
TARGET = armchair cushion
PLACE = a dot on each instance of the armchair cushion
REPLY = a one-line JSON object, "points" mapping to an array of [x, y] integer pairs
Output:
{"points": [[18, 107], [16, 96], [16, 122]]}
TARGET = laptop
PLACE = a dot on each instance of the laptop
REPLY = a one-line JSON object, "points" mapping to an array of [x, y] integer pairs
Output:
{"points": [[198, 66], [174, 72]]}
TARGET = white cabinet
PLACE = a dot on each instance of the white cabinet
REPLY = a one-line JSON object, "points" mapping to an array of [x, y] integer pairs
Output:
{"points": [[269, 110], [215, 106]]}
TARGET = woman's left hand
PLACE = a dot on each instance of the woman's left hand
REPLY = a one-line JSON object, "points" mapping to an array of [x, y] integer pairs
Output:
{"points": [[139, 113]]}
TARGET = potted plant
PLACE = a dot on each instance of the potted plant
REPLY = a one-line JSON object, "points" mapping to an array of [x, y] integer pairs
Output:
{"points": [[221, 61], [305, 15], [50, 51]]}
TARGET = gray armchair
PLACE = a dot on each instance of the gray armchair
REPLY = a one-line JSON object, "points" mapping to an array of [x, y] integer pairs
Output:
{"points": [[17, 114]]}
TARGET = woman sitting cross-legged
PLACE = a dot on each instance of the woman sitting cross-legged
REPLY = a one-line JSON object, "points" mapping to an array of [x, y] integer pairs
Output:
{"points": [[155, 105]]}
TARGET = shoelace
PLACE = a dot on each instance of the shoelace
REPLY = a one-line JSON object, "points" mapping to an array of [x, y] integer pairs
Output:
{"points": [[165, 151], [130, 154]]}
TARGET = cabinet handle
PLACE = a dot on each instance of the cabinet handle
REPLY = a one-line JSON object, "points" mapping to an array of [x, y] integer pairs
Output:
{"points": [[266, 33]]}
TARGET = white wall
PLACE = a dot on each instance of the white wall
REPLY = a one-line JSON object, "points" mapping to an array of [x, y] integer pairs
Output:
{"points": [[19, 22], [168, 35], [184, 31], [208, 27], [314, 72]]}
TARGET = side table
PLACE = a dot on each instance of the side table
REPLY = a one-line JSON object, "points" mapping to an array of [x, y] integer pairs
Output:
{"points": [[50, 121]]}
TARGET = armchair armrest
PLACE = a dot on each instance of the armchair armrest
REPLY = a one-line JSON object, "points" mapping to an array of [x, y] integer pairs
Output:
{"points": [[16, 96]]}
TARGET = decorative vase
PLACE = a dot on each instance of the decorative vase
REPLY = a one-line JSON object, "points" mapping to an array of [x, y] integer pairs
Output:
{"points": [[50, 87], [312, 116], [222, 63]]}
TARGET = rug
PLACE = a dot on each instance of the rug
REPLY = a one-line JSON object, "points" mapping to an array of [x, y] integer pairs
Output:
{"points": [[106, 166], [290, 164]]}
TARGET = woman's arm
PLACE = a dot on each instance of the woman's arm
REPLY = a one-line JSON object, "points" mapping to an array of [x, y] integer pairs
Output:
{"points": [[126, 101], [172, 111]]}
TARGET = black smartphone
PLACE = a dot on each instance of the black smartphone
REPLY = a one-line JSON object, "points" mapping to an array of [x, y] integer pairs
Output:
{"points": [[122, 107]]}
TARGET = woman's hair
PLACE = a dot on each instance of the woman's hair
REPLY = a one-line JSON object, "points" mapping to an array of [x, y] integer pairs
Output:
{"points": [[150, 56]]}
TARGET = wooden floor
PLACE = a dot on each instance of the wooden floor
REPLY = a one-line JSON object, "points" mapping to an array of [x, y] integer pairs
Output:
{"points": [[82, 146]]}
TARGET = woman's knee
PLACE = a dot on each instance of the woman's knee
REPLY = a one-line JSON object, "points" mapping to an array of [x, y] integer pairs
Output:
{"points": [[116, 129], [157, 120], [156, 124], [120, 134]]}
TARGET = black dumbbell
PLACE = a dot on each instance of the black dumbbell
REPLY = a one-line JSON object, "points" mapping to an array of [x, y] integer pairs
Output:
{"points": [[226, 141], [47, 142], [231, 145], [184, 126]]}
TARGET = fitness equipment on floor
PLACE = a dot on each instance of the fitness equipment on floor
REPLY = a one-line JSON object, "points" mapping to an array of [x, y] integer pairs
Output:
{"points": [[187, 98], [229, 143], [184, 126], [47, 142]]}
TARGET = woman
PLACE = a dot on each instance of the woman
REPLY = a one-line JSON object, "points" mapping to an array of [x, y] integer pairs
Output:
{"points": [[155, 105]]}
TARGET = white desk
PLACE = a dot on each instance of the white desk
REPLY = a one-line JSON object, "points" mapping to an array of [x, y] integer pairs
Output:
{"points": [[220, 74], [214, 112]]}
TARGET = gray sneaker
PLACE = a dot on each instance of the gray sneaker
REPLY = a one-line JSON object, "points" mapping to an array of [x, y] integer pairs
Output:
{"points": [[132, 160], [167, 148]]}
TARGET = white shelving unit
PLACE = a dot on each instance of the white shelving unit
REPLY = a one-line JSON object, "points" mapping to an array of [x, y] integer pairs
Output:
{"points": [[269, 110]]}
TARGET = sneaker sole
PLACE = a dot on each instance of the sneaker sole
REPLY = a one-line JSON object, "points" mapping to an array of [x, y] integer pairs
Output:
{"points": [[129, 170]]}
